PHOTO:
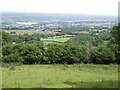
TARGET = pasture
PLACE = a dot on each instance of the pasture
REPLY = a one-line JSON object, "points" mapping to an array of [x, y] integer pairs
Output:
{"points": [[28, 31], [60, 76], [57, 39], [54, 40]]}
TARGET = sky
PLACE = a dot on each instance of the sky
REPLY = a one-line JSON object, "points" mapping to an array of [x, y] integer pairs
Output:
{"points": [[99, 7]]}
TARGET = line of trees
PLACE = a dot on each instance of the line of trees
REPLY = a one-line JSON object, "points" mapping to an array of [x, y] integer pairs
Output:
{"points": [[9, 38], [37, 53]]}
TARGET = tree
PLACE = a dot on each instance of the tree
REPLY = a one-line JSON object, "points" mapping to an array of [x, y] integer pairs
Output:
{"points": [[31, 53], [64, 53], [24, 53], [6, 38], [116, 34], [103, 55]]}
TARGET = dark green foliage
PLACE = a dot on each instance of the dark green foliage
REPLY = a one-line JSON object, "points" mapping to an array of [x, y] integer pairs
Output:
{"points": [[36, 53], [103, 55], [57, 53], [12, 58], [92, 38], [116, 33], [6, 38], [116, 44], [115, 48], [25, 53], [26, 38], [80, 40], [60, 53], [31, 53]]}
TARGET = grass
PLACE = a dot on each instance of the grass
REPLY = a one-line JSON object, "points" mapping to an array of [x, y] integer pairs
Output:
{"points": [[60, 76], [53, 40]]}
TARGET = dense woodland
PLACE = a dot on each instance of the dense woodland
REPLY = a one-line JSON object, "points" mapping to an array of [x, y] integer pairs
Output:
{"points": [[102, 48]]}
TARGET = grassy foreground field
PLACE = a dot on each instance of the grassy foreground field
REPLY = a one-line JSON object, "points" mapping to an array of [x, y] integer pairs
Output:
{"points": [[60, 76]]}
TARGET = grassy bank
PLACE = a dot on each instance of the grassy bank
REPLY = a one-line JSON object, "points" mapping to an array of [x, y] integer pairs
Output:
{"points": [[60, 76]]}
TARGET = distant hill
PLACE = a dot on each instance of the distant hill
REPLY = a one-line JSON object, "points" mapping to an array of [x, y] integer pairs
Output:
{"points": [[22, 17]]}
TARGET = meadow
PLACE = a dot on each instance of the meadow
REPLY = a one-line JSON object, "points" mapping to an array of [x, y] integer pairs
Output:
{"points": [[54, 40], [57, 39], [60, 76]]}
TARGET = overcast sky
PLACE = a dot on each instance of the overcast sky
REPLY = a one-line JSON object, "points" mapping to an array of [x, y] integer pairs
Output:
{"points": [[102, 7]]}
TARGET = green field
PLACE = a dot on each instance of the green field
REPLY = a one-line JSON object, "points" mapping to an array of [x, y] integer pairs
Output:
{"points": [[53, 40], [29, 31], [60, 76]]}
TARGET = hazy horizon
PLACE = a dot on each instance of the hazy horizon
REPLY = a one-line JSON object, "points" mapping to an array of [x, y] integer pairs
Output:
{"points": [[56, 13], [91, 7]]}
